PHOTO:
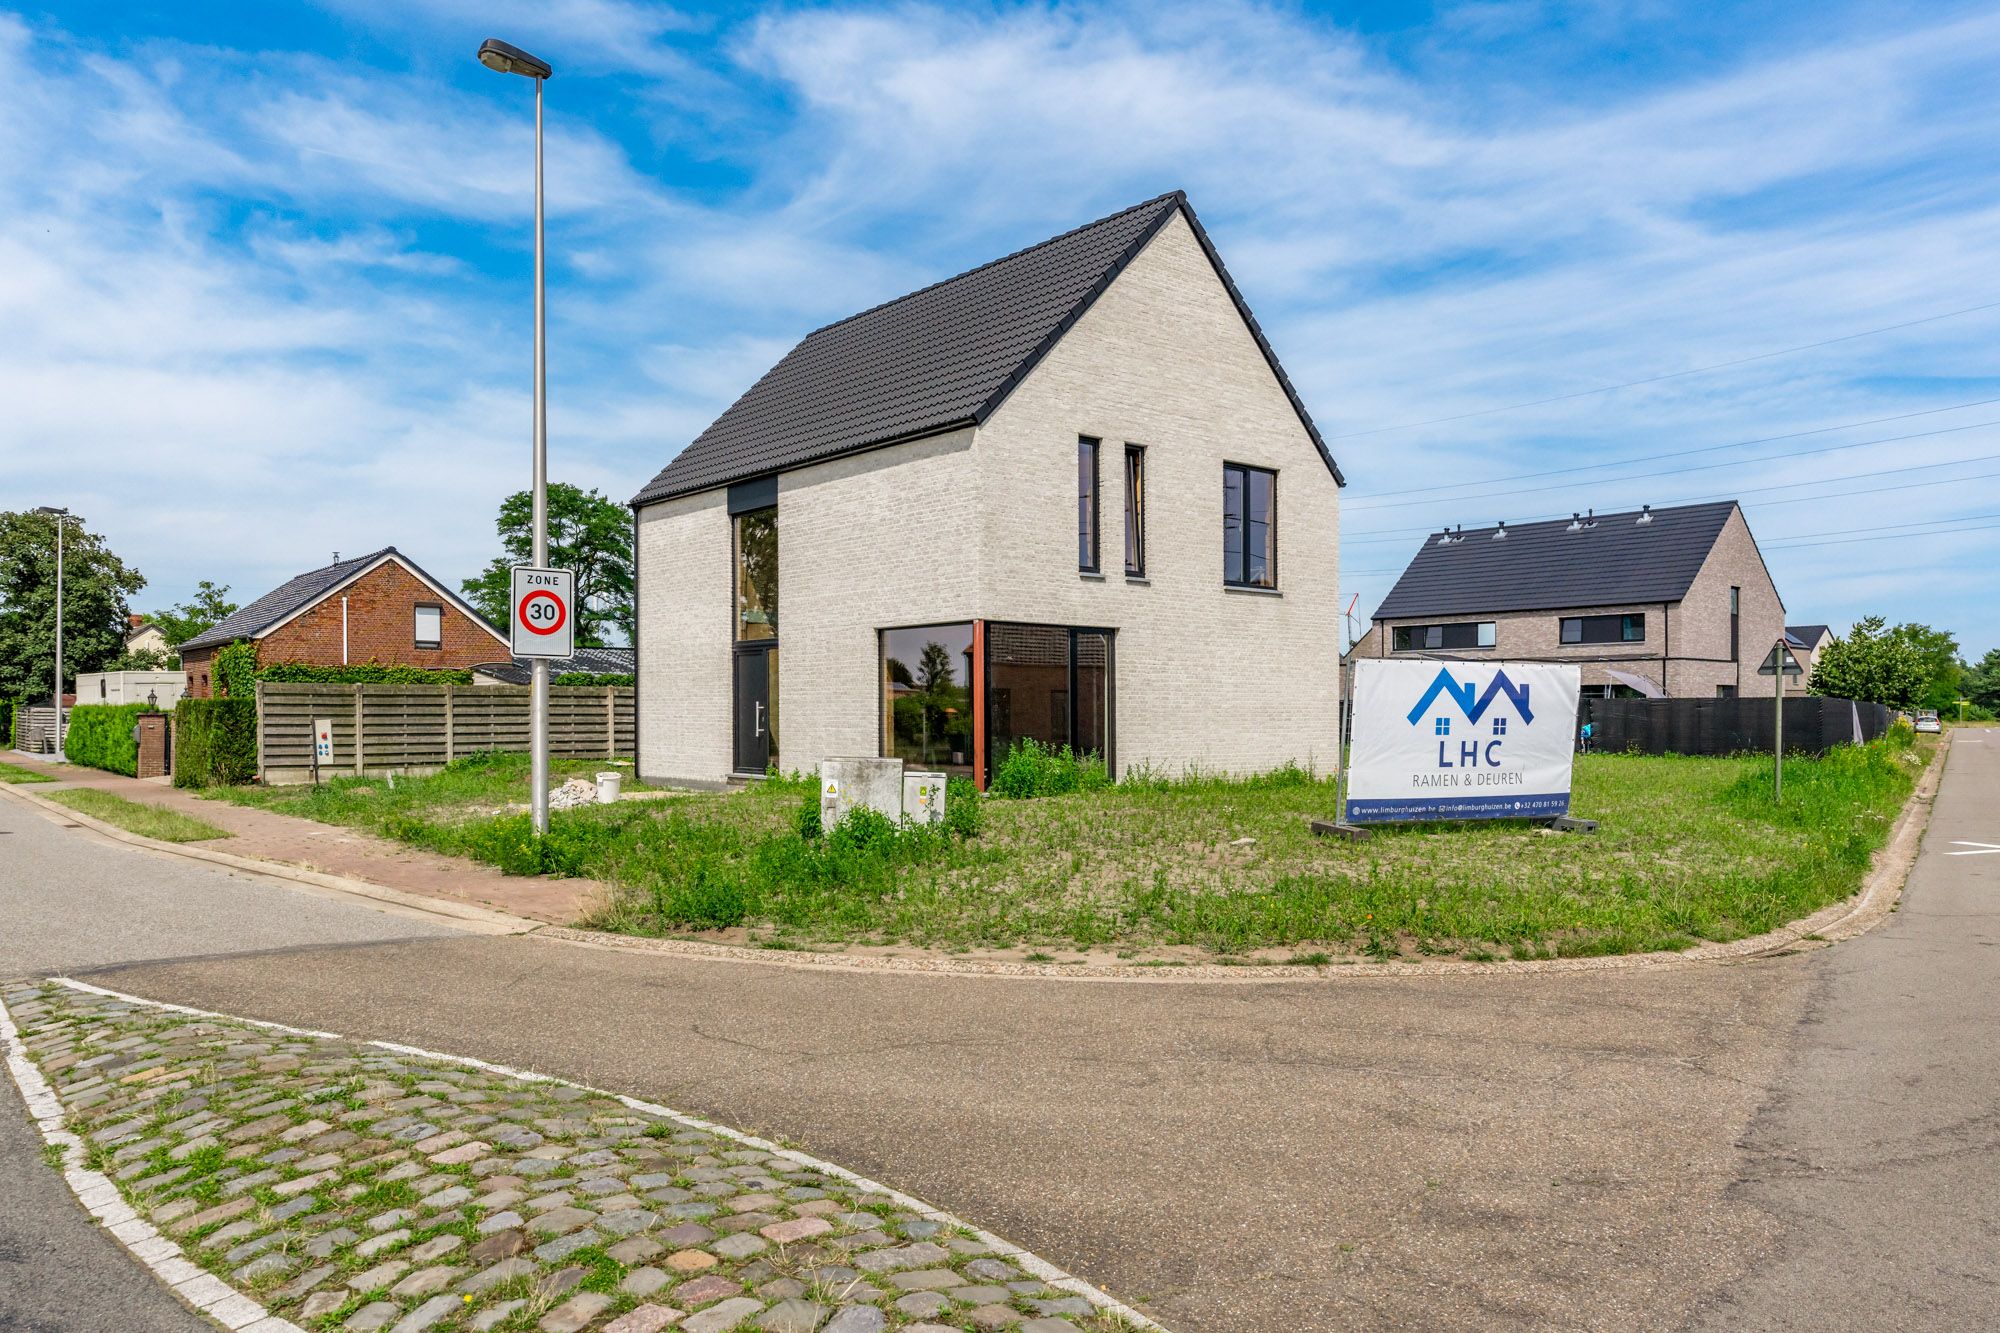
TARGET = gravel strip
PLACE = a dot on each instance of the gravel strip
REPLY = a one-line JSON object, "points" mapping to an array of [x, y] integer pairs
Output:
{"points": [[341, 1184]]}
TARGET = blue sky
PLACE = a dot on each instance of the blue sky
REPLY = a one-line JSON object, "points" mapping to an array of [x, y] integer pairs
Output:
{"points": [[264, 269]]}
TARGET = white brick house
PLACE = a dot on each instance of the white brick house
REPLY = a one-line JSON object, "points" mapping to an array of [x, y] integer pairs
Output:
{"points": [[1069, 495]]}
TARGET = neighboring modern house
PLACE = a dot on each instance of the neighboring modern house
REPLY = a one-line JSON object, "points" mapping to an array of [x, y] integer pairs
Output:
{"points": [[1069, 496], [1659, 602], [143, 636], [378, 607], [589, 661], [1808, 641], [162, 689]]}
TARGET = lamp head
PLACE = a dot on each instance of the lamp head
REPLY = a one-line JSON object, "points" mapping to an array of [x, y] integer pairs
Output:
{"points": [[509, 59]]}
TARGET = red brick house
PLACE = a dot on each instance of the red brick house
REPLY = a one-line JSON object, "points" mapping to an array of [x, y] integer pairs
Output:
{"points": [[378, 607]]}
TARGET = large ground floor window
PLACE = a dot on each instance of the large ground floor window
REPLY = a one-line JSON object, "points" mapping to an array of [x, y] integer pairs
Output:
{"points": [[1050, 683], [927, 675]]}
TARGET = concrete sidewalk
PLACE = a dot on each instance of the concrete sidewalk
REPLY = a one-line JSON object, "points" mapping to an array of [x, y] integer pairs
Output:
{"points": [[264, 835]]}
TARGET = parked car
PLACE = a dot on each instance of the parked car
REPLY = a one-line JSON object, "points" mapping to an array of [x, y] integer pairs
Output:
{"points": [[1927, 720]]}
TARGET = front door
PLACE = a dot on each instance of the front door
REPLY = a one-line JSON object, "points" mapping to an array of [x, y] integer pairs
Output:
{"points": [[753, 711]]}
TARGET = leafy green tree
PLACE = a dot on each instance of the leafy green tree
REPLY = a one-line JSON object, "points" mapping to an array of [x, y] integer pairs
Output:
{"points": [[96, 586], [589, 534], [1982, 682], [1943, 671], [209, 607], [141, 659], [1874, 664]]}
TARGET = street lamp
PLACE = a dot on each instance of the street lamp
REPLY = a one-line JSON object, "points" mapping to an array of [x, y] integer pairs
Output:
{"points": [[61, 516], [507, 59]]}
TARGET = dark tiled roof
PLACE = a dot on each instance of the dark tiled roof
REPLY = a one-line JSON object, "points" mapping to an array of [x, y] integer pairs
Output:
{"points": [[249, 621], [1545, 566], [597, 661], [1808, 635], [940, 358]]}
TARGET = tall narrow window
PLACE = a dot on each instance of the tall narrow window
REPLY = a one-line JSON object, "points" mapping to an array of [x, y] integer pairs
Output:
{"points": [[1735, 623], [430, 626], [1135, 510], [1086, 504], [757, 575], [1249, 527]]}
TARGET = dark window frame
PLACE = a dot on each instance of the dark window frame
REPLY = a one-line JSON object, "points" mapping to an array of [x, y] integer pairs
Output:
{"points": [[1110, 635], [1735, 623], [1586, 638], [1402, 637], [1090, 524], [1135, 511], [427, 606], [1239, 578]]}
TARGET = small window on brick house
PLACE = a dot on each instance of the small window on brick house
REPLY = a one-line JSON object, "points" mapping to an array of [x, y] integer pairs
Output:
{"points": [[430, 626]]}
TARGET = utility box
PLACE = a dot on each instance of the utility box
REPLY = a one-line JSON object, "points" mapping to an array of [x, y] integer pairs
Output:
{"points": [[923, 798], [845, 784]]}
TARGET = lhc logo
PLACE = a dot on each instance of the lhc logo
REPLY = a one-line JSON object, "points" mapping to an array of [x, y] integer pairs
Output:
{"points": [[1472, 705]]}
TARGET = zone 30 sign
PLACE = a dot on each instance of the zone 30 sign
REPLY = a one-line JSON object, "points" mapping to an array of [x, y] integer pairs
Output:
{"points": [[542, 622], [1461, 740]]}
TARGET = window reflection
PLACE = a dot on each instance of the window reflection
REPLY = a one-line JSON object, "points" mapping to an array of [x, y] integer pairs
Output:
{"points": [[927, 695]]}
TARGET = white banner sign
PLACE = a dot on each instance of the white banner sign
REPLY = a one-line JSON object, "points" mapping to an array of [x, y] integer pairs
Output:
{"points": [[1461, 740]]}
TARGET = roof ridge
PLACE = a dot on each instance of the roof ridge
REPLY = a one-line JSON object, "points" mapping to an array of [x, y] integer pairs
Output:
{"points": [[1178, 196], [1655, 510]]}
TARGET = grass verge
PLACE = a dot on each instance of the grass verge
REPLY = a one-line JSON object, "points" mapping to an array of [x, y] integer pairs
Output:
{"points": [[148, 821], [15, 773], [1691, 849]]}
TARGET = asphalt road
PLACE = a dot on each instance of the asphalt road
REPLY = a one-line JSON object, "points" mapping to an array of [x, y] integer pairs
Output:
{"points": [[69, 900], [1601, 1150], [1878, 1148]]}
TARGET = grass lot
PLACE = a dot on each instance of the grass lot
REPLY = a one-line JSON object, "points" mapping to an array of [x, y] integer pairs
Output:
{"points": [[1690, 850], [135, 817], [15, 773]]}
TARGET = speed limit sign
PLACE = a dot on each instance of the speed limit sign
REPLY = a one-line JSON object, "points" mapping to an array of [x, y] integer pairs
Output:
{"points": [[543, 619]]}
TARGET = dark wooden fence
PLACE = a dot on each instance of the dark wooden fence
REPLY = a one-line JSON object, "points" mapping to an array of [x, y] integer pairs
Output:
{"points": [[421, 728], [1814, 724]]}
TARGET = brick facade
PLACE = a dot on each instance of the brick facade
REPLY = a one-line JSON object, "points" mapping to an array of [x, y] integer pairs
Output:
{"points": [[980, 523], [1686, 650], [379, 609]]}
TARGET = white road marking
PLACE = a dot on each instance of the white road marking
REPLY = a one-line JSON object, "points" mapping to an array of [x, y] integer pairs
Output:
{"points": [[1979, 848]]}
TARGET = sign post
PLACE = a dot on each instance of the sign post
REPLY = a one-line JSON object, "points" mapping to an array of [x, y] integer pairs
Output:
{"points": [[1779, 663], [542, 626], [1461, 740]]}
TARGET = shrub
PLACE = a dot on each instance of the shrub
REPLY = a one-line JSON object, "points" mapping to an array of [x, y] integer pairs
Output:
{"points": [[215, 742], [6, 724], [1032, 769], [361, 673], [235, 670], [586, 678], [100, 736], [962, 814]]}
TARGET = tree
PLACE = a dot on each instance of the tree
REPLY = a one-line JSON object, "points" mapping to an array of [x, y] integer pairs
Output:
{"points": [[141, 659], [588, 534], [1943, 672], [1982, 682], [209, 607], [1874, 664], [96, 586]]}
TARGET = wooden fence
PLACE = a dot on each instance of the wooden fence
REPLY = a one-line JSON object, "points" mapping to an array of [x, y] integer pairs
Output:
{"points": [[420, 728]]}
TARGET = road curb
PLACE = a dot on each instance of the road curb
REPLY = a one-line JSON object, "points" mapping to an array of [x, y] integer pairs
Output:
{"points": [[50, 1122], [467, 916], [199, 1289]]}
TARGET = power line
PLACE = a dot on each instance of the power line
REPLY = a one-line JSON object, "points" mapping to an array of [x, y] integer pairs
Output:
{"points": [[1670, 375], [1704, 467], [1678, 453], [1727, 495], [1887, 527], [1843, 541]]}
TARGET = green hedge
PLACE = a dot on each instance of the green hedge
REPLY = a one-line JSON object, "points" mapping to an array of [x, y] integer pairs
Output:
{"points": [[365, 673], [6, 724], [100, 736], [586, 678], [215, 742]]}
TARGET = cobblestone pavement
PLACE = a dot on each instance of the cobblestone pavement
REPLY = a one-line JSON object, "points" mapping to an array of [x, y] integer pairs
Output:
{"points": [[347, 1186]]}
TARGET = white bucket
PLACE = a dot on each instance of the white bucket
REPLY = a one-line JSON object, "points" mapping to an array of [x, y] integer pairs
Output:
{"points": [[608, 785]]}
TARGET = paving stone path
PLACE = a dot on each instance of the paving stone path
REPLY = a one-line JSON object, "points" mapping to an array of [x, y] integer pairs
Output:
{"points": [[349, 1187]]}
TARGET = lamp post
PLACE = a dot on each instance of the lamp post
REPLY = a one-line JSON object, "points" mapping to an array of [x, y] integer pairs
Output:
{"points": [[61, 516], [507, 59]]}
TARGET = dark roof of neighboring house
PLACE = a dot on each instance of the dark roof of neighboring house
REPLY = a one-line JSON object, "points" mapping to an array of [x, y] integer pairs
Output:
{"points": [[938, 359], [597, 661], [1544, 566], [301, 591], [1809, 635]]}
